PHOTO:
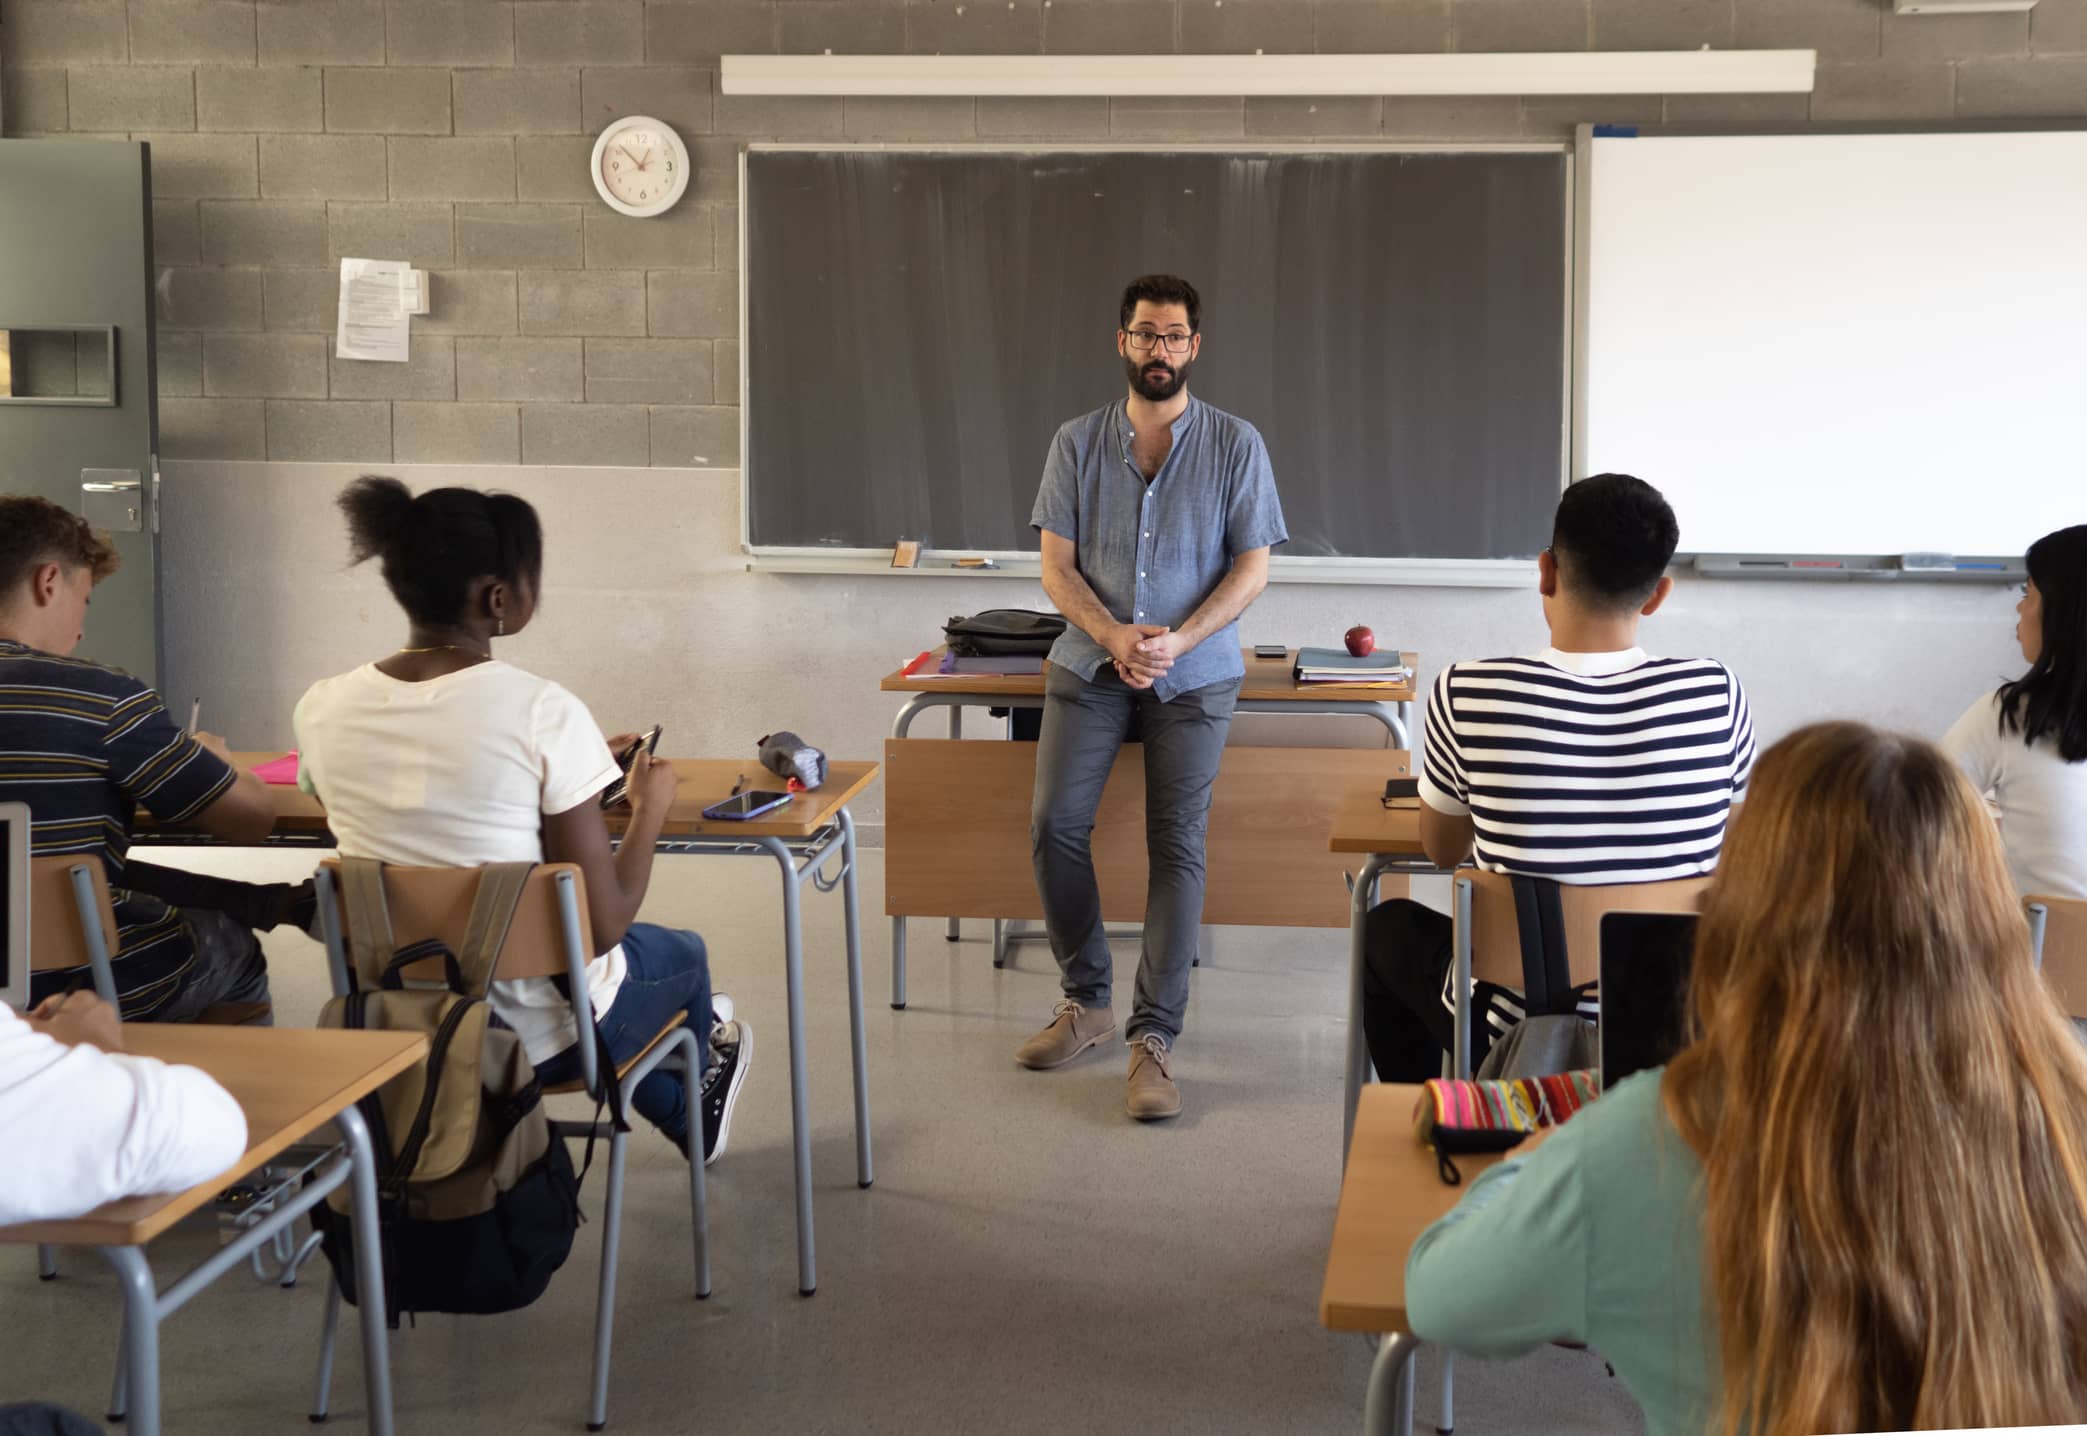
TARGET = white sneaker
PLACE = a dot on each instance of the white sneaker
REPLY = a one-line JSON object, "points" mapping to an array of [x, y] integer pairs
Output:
{"points": [[720, 1009]]}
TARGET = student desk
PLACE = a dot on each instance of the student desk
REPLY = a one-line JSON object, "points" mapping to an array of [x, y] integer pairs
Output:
{"points": [[289, 1082], [1390, 1194], [801, 838], [1389, 840], [956, 838]]}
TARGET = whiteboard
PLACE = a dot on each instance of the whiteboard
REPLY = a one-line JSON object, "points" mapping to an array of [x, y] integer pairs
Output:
{"points": [[1842, 344]]}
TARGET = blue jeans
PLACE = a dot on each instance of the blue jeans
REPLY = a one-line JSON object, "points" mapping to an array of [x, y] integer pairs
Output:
{"points": [[667, 971]]}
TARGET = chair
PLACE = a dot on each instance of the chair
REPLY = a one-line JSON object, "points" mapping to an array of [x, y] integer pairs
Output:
{"points": [[546, 939], [2058, 937], [67, 893], [1487, 946]]}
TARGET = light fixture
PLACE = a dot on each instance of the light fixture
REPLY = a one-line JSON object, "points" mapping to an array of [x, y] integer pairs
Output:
{"points": [[1616, 72]]}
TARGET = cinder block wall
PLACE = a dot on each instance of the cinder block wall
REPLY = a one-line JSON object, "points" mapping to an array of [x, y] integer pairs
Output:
{"points": [[287, 133]]}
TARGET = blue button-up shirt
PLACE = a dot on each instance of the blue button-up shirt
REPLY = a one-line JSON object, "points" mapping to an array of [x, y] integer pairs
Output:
{"points": [[1153, 552]]}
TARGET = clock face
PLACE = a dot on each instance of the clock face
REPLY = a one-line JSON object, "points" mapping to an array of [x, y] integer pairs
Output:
{"points": [[640, 166]]}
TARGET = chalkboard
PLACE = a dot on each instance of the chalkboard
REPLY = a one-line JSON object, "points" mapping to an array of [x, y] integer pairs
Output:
{"points": [[920, 322]]}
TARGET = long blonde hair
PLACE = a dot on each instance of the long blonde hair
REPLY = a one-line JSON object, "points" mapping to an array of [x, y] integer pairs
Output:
{"points": [[1890, 1108]]}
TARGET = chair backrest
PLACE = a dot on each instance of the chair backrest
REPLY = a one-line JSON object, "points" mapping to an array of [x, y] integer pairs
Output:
{"points": [[58, 938], [1496, 945], [436, 903], [2064, 949]]}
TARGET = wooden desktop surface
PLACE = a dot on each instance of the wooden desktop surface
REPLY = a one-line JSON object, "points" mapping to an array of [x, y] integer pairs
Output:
{"points": [[290, 1081], [1390, 1195], [956, 832], [1362, 824], [1267, 680], [703, 781]]}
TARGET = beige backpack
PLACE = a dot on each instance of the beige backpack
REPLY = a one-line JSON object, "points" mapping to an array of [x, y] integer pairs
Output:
{"points": [[477, 1198]]}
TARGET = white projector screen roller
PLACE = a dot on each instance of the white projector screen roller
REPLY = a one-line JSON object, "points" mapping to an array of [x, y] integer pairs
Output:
{"points": [[1843, 344]]}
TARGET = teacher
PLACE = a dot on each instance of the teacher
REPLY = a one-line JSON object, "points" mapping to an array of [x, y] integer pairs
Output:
{"points": [[1156, 514]]}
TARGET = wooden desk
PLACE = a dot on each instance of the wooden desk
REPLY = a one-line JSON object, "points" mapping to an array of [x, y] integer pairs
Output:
{"points": [[956, 836], [1389, 838], [703, 781], [289, 1082], [1268, 680], [801, 838], [1390, 1194]]}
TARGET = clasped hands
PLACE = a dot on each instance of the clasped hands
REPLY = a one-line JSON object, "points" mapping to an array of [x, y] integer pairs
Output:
{"points": [[1143, 652]]}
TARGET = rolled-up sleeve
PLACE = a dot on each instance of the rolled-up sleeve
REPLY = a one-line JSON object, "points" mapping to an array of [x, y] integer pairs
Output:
{"points": [[1057, 497], [1255, 519]]}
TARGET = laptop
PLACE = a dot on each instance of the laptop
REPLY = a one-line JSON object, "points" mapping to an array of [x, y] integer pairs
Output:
{"points": [[1645, 960], [14, 905]]}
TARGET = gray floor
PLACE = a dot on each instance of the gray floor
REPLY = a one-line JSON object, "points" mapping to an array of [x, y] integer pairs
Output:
{"points": [[1028, 1261]]}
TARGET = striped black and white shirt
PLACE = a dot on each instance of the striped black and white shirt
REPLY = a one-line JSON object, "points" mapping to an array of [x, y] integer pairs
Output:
{"points": [[1588, 768]]}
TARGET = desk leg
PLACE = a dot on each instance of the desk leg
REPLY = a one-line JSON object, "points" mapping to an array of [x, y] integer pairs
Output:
{"points": [[369, 1271], [1359, 904], [140, 1338], [898, 964], [852, 913], [956, 730], [800, 1117], [1388, 1409]]}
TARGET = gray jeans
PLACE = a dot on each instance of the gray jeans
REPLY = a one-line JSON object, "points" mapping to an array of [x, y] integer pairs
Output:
{"points": [[1084, 726]]}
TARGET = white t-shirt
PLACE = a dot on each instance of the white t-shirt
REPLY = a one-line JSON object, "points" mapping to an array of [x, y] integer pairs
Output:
{"points": [[79, 1126], [455, 772], [2042, 798]]}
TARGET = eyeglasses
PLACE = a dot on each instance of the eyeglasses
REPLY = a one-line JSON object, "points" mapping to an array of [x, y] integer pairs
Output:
{"points": [[1142, 340]]}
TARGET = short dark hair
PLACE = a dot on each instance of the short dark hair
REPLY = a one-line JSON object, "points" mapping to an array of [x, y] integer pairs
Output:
{"points": [[1162, 289], [2051, 698], [432, 547], [34, 531], [1613, 538]]}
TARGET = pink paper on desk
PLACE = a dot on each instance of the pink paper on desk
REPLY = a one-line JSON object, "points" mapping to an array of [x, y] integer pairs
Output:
{"points": [[280, 771]]}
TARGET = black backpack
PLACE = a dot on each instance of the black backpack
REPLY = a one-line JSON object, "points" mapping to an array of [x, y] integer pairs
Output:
{"points": [[1003, 633], [477, 1198]]}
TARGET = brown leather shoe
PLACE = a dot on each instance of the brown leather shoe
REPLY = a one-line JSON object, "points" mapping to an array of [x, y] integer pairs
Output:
{"points": [[1073, 1030], [1152, 1094]]}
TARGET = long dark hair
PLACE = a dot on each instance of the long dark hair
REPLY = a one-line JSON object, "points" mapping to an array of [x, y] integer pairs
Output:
{"points": [[431, 547], [2051, 698]]}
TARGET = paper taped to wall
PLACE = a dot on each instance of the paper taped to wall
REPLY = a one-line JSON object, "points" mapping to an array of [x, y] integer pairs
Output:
{"points": [[378, 297]]}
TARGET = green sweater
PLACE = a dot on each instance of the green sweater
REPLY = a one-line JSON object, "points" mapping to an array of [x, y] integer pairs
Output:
{"points": [[1596, 1237]]}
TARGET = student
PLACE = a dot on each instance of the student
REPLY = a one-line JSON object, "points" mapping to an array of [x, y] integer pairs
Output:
{"points": [[1861, 1194], [85, 746], [1156, 515], [2026, 742], [83, 1123], [440, 755], [1589, 762]]}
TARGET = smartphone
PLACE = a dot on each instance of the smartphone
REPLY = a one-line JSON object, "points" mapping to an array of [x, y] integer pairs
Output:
{"points": [[742, 806], [618, 790], [1270, 650], [1401, 793]]}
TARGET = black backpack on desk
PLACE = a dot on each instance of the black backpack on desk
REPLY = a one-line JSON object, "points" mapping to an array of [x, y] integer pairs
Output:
{"points": [[1003, 633]]}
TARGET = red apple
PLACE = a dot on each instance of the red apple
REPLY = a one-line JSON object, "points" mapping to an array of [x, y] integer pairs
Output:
{"points": [[1361, 642]]}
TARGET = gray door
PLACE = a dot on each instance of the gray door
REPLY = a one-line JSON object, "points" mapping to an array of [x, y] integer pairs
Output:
{"points": [[78, 421]]}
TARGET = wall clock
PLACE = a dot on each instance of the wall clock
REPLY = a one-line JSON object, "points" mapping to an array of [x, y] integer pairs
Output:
{"points": [[640, 167]]}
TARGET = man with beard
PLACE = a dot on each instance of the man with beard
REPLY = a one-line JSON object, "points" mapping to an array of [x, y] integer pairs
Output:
{"points": [[1156, 514]]}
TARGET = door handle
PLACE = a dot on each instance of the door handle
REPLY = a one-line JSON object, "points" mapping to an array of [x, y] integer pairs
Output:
{"points": [[113, 499]]}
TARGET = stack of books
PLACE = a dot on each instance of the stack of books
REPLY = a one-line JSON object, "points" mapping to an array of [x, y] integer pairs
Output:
{"points": [[1385, 668]]}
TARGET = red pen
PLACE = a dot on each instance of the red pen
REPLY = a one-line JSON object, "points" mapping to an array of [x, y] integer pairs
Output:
{"points": [[916, 665]]}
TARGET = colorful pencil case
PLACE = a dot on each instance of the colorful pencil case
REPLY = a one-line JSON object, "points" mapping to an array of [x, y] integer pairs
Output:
{"points": [[1492, 1116]]}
